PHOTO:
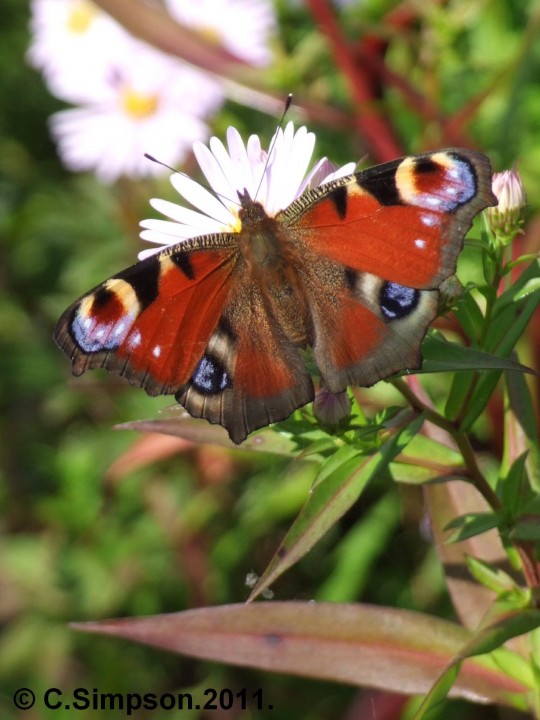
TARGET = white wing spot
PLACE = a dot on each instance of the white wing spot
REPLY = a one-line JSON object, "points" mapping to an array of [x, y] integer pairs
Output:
{"points": [[433, 201], [420, 243], [430, 220], [135, 340], [119, 328], [156, 352]]}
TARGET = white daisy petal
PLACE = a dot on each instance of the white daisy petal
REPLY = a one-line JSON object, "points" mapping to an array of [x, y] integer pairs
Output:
{"points": [[200, 198], [273, 182], [217, 173], [229, 168], [347, 169], [185, 216], [165, 232], [239, 156]]}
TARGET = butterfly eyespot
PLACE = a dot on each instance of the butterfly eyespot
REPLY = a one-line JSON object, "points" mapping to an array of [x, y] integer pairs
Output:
{"points": [[442, 182], [397, 301], [210, 376]]}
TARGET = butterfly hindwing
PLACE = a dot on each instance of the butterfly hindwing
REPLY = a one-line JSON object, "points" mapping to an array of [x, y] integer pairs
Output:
{"points": [[251, 373]]}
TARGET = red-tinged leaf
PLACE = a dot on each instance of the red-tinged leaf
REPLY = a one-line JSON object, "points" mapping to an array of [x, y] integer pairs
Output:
{"points": [[145, 451], [338, 486], [181, 425], [446, 501], [385, 648]]}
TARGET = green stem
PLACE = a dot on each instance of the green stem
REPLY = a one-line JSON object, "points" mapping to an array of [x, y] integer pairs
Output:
{"points": [[531, 571]]}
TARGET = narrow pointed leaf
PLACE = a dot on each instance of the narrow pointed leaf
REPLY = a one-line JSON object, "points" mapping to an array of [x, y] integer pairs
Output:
{"points": [[330, 499], [442, 356], [467, 526], [386, 648], [521, 427], [505, 332], [180, 424], [501, 626], [470, 316]]}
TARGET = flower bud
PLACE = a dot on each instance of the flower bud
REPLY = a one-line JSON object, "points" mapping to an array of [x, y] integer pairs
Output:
{"points": [[332, 410], [505, 219]]}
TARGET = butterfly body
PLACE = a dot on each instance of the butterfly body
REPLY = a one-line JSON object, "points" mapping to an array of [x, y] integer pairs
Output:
{"points": [[350, 269]]}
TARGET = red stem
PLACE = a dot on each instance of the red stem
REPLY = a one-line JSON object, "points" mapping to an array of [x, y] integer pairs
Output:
{"points": [[376, 131]]}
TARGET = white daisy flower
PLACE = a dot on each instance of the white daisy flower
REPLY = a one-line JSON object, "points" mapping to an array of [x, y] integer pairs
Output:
{"points": [[274, 181], [242, 26], [153, 104], [74, 44]]}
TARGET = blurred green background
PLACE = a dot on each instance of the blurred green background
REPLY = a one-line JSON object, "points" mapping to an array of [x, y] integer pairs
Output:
{"points": [[88, 532]]}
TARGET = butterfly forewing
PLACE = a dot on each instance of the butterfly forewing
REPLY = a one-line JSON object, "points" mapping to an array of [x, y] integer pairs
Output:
{"points": [[403, 221], [151, 322]]}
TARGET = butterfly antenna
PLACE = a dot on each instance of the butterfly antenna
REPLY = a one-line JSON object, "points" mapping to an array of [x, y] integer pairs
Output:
{"points": [[288, 103], [179, 172]]}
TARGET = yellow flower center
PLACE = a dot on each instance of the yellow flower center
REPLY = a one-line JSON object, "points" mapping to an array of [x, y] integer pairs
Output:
{"points": [[81, 16], [208, 32], [137, 104]]}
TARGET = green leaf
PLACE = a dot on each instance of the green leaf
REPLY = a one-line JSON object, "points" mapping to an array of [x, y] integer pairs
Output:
{"points": [[358, 550], [443, 356], [457, 396], [513, 485], [438, 691], [500, 625], [526, 530], [527, 283], [340, 483], [472, 524], [424, 460], [521, 427], [488, 382], [491, 577], [470, 316]]}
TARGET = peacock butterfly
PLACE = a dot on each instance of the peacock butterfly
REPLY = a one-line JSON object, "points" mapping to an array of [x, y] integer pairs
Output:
{"points": [[350, 269]]}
